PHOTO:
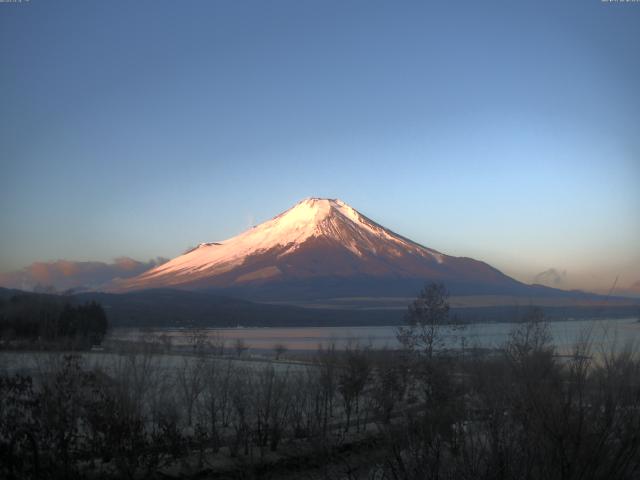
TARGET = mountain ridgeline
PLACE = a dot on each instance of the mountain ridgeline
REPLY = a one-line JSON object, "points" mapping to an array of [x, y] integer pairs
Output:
{"points": [[323, 263], [323, 248]]}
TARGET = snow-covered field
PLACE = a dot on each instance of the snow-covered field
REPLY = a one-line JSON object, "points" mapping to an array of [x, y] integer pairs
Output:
{"points": [[34, 363]]}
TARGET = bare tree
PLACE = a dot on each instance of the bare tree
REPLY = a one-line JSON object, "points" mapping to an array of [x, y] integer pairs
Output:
{"points": [[425, 317], [197, 338], [326, 360], [530, 337], [240, 347], [390, 383], [306, 400], [190, 379], [352, 380], [166, 342], [241, 403], [271, 397], [218, 343], [215, 401], [279, 349]]}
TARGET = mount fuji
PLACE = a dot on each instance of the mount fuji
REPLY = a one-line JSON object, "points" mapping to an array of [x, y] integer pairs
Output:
{"points": [[324, 248]]}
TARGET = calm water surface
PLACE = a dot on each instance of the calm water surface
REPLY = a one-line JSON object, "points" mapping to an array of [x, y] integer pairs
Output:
{"points": [[603, 334]]}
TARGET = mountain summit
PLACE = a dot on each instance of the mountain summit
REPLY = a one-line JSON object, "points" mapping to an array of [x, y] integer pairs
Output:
{"points": [[320, 243]]}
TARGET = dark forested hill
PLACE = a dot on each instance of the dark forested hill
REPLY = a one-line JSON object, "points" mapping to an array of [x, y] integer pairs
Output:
{"points": [[164, 307]]}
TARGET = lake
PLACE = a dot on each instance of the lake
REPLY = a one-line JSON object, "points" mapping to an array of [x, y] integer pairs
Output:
{"points": [[604, 334]]}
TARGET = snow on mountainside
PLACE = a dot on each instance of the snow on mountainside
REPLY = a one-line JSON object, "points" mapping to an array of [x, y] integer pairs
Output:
{"points": [[316, 238]]}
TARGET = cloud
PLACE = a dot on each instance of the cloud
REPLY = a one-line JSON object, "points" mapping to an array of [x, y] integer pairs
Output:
{"points": [[551, 278], [66, 274]]}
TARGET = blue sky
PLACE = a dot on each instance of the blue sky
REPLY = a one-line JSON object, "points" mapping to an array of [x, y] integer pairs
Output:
{"points": [[506, 131]]}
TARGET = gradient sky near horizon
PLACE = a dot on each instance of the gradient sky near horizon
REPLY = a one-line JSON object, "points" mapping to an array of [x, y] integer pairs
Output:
{"points": [[505, 131]]}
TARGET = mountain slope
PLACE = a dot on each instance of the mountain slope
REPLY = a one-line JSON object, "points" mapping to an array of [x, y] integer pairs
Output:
{"points": [[318, 241]]}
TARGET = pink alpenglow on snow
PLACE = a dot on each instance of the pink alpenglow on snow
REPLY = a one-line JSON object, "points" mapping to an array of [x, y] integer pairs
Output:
{"points": [[316, 238]]}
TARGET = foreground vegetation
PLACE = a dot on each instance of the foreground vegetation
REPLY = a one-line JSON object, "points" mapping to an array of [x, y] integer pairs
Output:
{"points": [[416, 413], [519, 413]]}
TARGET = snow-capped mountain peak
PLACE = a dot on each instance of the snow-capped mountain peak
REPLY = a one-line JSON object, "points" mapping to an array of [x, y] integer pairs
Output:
{"points": [[316, 238]]}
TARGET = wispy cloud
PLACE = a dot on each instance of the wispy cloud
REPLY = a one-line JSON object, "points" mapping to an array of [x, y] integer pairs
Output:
{"points": [[551, 278], [63, 275]]}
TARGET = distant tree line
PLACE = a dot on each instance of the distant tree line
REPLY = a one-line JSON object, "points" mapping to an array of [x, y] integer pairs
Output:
{"points": [[30, 317]]}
